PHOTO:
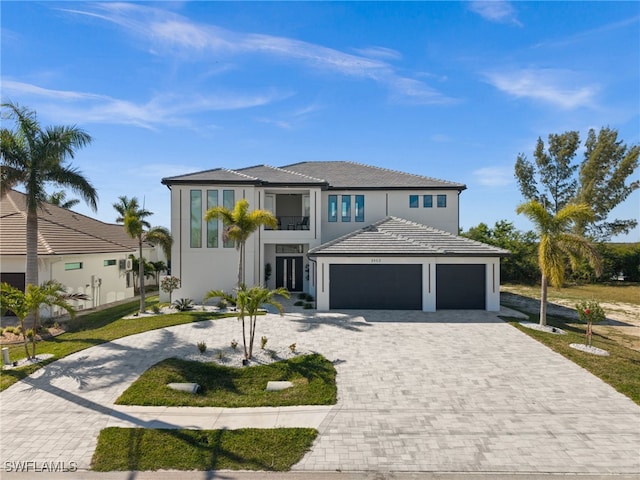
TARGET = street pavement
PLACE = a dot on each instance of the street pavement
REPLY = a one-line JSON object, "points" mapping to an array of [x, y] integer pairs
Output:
{"points": [[421, 395]]}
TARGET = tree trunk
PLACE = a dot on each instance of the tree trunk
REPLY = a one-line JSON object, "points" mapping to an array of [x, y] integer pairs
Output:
{"points": [[244, 340], [543, 301], [141, 276], [31, 276], [36, 318], [240, 266], [252, 334]]}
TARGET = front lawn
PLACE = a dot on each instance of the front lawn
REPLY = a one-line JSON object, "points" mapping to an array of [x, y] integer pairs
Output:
{"points": [[95, 328], [138, 449], [621, 369], [313, 378]]}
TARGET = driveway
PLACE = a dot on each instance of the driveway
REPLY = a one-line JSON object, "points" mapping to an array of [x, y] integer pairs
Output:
{"points": [[446, 392]]}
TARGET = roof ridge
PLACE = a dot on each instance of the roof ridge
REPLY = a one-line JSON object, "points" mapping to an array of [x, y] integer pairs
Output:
{"points": [[298, 173], [413, 240], [241, 174]]}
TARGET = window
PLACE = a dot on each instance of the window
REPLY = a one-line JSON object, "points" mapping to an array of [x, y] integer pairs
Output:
{"points": [[359, 208], [346, 208], [196, 218], [427, 201], [109, 263], [228, 202], [212, 225], [333, 208], [442, 201], [413, 201], [73, 266]]}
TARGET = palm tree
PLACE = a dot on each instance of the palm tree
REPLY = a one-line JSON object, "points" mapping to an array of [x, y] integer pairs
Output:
{"points": [[248, 301], [59, 199], [23, 304], [33, 157], [158, 267], [239, 225], [557, 243], [133, 217]]}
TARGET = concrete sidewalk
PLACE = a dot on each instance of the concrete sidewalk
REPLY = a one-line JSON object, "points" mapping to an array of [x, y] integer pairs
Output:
{"points": [[453, 391]]}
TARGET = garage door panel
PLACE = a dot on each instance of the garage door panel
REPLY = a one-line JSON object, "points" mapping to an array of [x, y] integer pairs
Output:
{"points": [[461, 286], [379, 286]]}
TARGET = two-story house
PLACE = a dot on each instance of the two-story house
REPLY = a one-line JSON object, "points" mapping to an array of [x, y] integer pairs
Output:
{"points": [[352, 235]]}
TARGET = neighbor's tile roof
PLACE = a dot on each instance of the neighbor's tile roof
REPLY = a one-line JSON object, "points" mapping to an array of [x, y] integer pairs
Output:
{"points": [[60, 231], [398, 237], [332, 175]]}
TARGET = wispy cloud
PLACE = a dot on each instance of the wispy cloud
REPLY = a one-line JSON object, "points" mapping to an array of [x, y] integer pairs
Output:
{"points": [[494, 176], [498, 11], [554, 86], [599, 31], [167, 109], [166, 32]]}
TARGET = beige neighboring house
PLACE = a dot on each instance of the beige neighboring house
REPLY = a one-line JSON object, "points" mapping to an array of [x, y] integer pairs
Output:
{"points": [[84, 254]]}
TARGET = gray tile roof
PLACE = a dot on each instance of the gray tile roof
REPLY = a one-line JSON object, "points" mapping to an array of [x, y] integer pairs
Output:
{"points": [[394, 236], [60, 231], [332, 175], [351, 175]]}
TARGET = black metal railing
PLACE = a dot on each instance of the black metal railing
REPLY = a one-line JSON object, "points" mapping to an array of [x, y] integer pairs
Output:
{"points": [[291, 222]]}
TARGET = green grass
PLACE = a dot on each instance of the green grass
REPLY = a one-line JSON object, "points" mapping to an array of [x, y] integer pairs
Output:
{"points": [[95, 328], [137, 449], [621, 369], [313, 377]]}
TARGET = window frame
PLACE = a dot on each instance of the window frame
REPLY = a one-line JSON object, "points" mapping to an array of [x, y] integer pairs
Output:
{"points": [[414, 201], [441, 201], [195, 218], [212, 225], [427, 201], [359, 208], [345, 208], [332, 212]]}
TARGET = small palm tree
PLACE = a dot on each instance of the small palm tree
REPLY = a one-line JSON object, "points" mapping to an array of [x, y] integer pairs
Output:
{"points": [[248, 301], [23, 304], [59, 199], [239, 225], [132, 216], [158, 267], [557, 243], [33, 157]]}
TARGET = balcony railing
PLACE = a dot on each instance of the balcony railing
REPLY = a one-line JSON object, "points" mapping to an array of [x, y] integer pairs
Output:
{"points": [[291, 222]]}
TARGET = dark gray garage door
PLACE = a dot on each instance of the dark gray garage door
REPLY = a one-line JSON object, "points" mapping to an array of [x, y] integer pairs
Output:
{"points": [[377, 287], [460, 287]]}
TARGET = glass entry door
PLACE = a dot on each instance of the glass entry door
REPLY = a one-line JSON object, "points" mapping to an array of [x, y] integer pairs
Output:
{"points": [[289, 273]]}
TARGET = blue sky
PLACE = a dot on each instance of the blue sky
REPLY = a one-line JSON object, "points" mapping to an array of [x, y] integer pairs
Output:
{"points": [[445, 89]]}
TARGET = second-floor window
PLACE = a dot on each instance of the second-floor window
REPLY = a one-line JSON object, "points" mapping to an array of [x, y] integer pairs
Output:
{"points": [[359, 206], [333, 208], [228, 202], [196, 218], [442, 201], [427, 201], [346, 208], [212, 226], [413, 201]]}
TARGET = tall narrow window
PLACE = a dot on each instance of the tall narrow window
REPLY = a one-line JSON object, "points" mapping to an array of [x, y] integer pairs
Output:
{"points": [[229, 202], [212, 225], [196, 218], [442, 201], [333, 208], [427, 201], [359, 213], [346, 208], [413, 201]]}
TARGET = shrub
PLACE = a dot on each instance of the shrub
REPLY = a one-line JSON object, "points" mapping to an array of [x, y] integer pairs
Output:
{"points": [[155, 308], [292, 347], [183, 304], [234, 344], [308, 306], [202, 347], [590, 312], [30, 333], [1, 332], [299, 303], [263, 342], [222, 304]]}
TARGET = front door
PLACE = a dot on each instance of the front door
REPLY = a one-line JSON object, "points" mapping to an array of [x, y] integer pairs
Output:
{"points": [[289, 273]]}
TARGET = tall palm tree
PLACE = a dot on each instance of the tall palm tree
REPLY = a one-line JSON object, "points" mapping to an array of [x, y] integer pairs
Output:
{"points": [[59, 199], [33, 157], [239, 225], [558, 243], [132, 216]]}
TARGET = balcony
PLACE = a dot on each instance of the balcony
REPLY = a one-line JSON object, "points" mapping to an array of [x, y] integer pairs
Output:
{"points": [[292, 222]]}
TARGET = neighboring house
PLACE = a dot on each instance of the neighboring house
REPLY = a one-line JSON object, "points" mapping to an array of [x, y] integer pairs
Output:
{"points": [[85, 255], [352, 235]]}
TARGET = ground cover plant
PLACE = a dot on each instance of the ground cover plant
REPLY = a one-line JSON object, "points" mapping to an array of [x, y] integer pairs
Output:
{"points": [[138, 449], [95, 328], [313, 378]]}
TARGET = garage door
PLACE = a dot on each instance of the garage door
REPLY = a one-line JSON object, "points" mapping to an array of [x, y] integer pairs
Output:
{"points": [[377, 287], [460, 287]]}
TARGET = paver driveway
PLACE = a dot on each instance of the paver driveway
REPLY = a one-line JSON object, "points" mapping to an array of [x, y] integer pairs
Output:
{"points": [[447, 391]]}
